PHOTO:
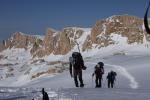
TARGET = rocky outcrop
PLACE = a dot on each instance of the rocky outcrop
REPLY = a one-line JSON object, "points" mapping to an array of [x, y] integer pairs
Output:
{"points": [[20, 40], [61, 42], [130, 27]]}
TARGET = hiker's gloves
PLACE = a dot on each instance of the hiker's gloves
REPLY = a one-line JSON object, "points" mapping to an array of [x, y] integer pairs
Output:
{"points": [[84, 67]]}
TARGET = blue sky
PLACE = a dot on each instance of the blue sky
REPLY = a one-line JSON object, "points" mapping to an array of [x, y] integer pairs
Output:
{"points": [[35, 16]]}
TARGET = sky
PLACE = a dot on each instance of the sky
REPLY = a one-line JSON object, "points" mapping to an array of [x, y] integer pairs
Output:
{"points": [[35, 16]]}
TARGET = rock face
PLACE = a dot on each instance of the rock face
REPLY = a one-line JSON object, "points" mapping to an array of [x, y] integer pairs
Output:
{"points": [[20, 40], [126, 26], [61, 42]]}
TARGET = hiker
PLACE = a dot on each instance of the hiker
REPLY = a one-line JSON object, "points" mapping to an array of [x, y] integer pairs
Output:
{"points": [[98, 72], [76, 67], [111, 77], [45, 95]]}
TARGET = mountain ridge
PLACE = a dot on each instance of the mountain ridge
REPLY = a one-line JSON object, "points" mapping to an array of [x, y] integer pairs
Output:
{"points": [[28, 57], [61, 42]]}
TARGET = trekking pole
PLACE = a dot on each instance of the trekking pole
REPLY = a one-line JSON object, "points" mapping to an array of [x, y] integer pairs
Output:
{"points": [[77, 45], [104, 82], [115, 84]]}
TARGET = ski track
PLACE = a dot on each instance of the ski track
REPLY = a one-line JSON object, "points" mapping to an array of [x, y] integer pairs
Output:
{"points": [[133, 83]]}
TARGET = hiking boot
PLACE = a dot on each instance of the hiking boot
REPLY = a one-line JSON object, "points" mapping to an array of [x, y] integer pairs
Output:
{"points": [[81, 85], [99, 86], [77, 85], [96, 86]]}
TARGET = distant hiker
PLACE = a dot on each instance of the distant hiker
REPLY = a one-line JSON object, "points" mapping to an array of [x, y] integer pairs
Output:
{"points": [[111, 77], [98, 72], [76, 61], [45, 95]]}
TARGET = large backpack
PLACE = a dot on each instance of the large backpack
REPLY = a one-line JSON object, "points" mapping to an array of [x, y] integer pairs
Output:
{"points": [[77, 60], [112, 75], [101, 68], [98, 71]]}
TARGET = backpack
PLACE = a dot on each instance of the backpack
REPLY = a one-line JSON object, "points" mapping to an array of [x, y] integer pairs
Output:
{"points": [[98, 71], [101, 68], [112, 75], [77, 60]]}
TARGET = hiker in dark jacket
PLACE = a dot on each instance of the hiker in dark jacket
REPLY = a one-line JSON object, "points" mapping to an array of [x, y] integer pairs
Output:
{"points": [[111, 77], [76, 67], [98, 72], [45, 95]]}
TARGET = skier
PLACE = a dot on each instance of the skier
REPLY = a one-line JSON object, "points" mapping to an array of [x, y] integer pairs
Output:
{"points": [[45, 95], [98, 72], [77, 65], [111, 77]]}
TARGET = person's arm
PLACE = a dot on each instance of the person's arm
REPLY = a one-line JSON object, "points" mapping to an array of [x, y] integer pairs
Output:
{"points": [[94, 73], [107, 76]]}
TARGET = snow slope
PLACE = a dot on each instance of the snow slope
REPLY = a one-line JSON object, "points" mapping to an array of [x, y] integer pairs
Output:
{"points": [[132, 82], [131, 62]]}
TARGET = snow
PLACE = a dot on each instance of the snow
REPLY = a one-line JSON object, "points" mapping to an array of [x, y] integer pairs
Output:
{"points": [[133, 83], [53, 57], [39, 36], [131, 62], [128, 85], [15, 55]]}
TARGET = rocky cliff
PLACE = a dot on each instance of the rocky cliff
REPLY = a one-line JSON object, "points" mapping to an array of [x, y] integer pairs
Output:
{"points": [[100, 35]]}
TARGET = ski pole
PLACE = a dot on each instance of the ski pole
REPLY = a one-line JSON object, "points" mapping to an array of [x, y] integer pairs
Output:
{"points": [[114, 83], [77, 45], [104, 82]]}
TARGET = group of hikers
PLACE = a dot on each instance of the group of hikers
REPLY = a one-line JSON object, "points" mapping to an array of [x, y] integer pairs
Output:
{"points": [[77, 65]]}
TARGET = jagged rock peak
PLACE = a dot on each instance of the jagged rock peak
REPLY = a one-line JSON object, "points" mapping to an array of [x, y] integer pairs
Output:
{"points": [[100, 35]]}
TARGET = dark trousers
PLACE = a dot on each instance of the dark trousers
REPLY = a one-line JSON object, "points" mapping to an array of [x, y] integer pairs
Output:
{"points": [[110, 83], [98, 81], [78, 75]]}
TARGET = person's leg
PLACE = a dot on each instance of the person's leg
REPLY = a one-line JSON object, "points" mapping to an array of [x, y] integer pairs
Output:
{"points": [[80, 78], [75, 78], [108, 83], [96, 82], [100, 81], [112, 83]]}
